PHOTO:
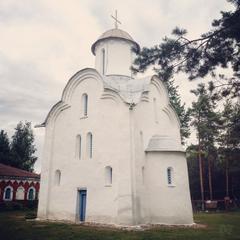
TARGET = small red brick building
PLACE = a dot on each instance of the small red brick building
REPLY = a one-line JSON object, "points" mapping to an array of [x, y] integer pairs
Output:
{"points": [[17, 184]]}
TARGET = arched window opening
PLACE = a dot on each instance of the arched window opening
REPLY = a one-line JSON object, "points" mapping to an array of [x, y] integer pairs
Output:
{"points": [[155, 110], [170, 176], [57, 177], [8, 193], [85, 104], [143, 175], [20, 193], [103, 61], [108, 176], [31, 193], [89, 145], [79, 147]]}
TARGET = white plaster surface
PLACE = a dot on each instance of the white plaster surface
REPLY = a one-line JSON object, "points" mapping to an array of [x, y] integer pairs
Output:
{"points": [[134, 128]]}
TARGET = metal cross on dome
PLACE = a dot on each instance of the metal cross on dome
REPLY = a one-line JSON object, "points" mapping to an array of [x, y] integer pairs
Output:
{"points": [[116, 20]]}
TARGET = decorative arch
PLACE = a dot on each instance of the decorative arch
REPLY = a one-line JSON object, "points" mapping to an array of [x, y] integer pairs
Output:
{"points": [[110, 93], [77, 79], [20, 193], [68, 92], [31, 193], [161, 88], [8, 193]]}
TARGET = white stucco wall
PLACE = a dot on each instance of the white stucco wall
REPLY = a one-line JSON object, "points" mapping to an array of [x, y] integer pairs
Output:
{"points": [[105, 204], [123, 135], [118, 57]]}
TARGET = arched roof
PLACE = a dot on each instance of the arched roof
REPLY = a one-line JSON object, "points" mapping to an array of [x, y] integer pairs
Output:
{"points": [[115, 33]]}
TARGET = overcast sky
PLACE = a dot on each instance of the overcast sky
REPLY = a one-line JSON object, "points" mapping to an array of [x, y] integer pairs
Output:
{"points": [[44, 42]]}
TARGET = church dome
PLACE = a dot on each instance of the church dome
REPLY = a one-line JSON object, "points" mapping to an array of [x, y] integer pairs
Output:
{"points": [[115, 34]]}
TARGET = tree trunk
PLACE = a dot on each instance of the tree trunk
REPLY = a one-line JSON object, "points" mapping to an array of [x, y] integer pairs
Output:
{"points": [[227, 179], [210, 178], [201, 174]]}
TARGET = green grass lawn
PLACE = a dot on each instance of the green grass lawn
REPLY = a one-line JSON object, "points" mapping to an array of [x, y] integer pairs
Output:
{"points": [[13, 226]]}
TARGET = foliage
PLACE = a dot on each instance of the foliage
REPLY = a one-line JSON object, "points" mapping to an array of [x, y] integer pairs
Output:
{"points": [[218, 48], [206, 120], [193, 171], [4, 148], [224, 146], [182, 112], [22, 147], [20, 152]]}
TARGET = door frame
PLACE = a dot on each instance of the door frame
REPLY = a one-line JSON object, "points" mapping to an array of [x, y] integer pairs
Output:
{"points": [[78, 215]]}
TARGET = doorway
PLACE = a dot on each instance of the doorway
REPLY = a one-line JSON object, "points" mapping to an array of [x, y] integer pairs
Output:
{"points": [[82, 204]]}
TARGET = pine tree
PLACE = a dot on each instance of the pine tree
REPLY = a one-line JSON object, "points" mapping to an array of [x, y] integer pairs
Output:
{"points": [[5, 156], [216, 49], [22, 147], [206, 121], [182, 112], [229, 140]]}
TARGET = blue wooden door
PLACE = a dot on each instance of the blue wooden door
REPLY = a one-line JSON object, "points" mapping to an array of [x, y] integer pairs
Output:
{"points": [[82, 204]]}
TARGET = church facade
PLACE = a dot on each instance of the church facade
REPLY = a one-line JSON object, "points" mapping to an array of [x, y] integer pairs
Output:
{"points": [[112, 150]]}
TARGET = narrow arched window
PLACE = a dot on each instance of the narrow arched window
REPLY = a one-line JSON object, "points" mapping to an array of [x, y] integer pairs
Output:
{"points": [[89, 145], [57, 177], [143, 175], [170, 175], [8, 193], [103, 61], [79, 147], [31, 193], [20, 193], [108, 176], [155, 110], [84, 104]]}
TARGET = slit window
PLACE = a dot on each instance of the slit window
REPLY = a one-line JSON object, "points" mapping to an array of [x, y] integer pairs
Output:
{"points": [[57, 177], [85, 105], [108, 176], [89, 145], [170, 176]]}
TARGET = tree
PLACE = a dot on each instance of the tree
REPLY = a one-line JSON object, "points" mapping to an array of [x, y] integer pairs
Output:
{"points": [[22, 147], [206, 122], [5, 156], [193, 170], [182, 112], [219, 47], [229, 140]]}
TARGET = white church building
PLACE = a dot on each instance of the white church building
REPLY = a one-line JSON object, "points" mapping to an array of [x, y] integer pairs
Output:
{"points": [[112, 151]]}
